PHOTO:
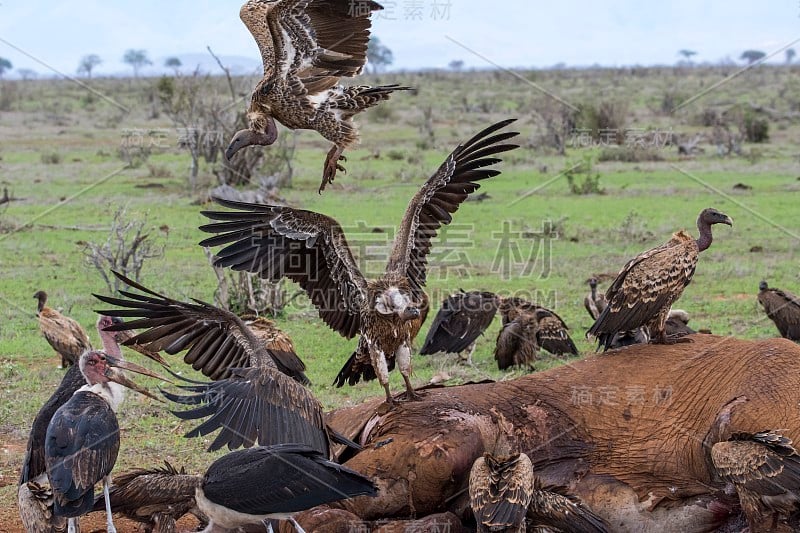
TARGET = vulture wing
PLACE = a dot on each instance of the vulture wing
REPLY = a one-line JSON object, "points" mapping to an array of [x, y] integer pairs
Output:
{"points": [[516, 343], [216, 340], [306, 247], [315, 42], [500, 492], [440, 196], [280, 479], [64, 334], [553, 333], [254, 405], [783, 308], [646, 285], [461, 320], [552, 507]]}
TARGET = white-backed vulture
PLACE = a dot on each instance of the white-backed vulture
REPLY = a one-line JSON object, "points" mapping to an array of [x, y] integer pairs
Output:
{"points": [[783, 308]]}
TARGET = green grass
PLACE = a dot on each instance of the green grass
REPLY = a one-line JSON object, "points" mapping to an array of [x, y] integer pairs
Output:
{"points": [[43, 236]]}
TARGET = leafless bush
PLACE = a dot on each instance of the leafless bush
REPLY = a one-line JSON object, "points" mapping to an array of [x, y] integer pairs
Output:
{"points": [[51, 158], [246, 293], [604, 121], [426, 129], [125, 250], [10, 94], [558, 122]]}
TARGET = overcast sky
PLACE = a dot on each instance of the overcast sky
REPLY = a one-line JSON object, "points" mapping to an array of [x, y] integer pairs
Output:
{"points": [[421, 33]]}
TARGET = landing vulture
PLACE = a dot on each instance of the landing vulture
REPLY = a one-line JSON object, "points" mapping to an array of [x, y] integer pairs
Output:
{"points": [[310, 249], [651, 282], [306, 47], [783, 308], [463, 317]]}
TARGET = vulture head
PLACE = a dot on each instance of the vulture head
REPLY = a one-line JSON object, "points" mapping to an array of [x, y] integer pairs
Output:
{"points": [[262, 130], [763, 286], [42, 297], [710, 216], [593, 283], [394, 301]]}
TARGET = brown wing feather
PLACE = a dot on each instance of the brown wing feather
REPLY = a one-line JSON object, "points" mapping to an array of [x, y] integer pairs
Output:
{"points": [[783, 308], [441, 196], [500, 491], [553, 333], [462, 318], [64, 334], [552, 507], [516, 343], [306, 247], [764, 463], [647, 285]]}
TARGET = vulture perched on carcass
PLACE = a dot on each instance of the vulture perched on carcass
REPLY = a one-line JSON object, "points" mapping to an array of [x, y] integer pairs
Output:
{"points": [[463, 318], [650, 283], [783, 308], [258, 394], [311, 249], [306, 47], [764, 468], [64, 334]]}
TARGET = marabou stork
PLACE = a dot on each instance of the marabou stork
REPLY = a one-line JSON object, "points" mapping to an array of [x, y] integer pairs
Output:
{"points": [[82, 439]]}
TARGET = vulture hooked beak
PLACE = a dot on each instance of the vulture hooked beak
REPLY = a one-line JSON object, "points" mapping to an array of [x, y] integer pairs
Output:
{"points": [[118, 377], [727, 220], [410, 313], [249, 137]]}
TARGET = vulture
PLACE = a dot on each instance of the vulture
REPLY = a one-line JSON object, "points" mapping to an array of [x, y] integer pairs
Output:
{"points": [[517, 343], [783, 308], [651, 282], [595, 303], [463, 317], [306, 47], [500, 491], [156, 497], [258, 393], [764, 468], [553, 508], [311, 249], [677, 324], [64, 334]]}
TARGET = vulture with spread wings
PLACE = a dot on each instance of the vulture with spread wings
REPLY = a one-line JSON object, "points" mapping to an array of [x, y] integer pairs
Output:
{"points": [[310, 249], [651, 282], [306, 47], [258, 395], [783, 308]]}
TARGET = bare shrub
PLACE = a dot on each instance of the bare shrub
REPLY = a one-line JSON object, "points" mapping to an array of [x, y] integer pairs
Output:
{"points": [[558, 122], [51, 158], [629, 154], [125, 250], [605, 121]]}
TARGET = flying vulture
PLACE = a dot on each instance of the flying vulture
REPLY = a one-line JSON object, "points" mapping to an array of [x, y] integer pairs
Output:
{"points": [[463, 317], [783, 308], [311, 249], [64, 334], [650, 283], [306, 47], [765, 469], [258, 395]]}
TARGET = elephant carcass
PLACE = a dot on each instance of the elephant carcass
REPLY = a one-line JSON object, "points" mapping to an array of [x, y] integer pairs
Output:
{"points": [[628, 431]]}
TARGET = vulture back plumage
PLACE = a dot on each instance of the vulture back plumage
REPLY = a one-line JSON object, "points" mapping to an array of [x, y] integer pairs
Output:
{"points": [[500, 490], [783, 308], [463, 318]]}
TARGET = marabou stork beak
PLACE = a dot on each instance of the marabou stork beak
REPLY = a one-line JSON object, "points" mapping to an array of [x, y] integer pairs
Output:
{"points": [[118, 377]]}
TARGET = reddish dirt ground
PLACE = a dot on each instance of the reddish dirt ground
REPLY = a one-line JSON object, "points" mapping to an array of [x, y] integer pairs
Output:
{"points": [[94, 523]]}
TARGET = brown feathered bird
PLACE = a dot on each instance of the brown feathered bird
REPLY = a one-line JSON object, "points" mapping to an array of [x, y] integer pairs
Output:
{"points": [[64, 334], [783, 308], [463, 317], [500, 491], [306, 47], [552, 333], [156, 497], [258, 395], [594, 302], [764, 468], [557, 510], [517, 343], [650, 283], [311, 249]]}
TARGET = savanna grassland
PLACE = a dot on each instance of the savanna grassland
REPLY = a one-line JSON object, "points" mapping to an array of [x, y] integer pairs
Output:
{"points": [[71, 157]]}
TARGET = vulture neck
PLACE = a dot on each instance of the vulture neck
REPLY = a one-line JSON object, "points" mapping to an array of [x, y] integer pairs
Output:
{"points": [[42, 302], [705, 235], [594, 293]]}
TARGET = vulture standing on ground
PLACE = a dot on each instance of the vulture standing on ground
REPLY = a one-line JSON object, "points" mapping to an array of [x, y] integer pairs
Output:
{"points": [[156, 497], [764, 468], [650, 283], [82, 439], [258, 395], [463, 317], [310, 249], [64, 334], [783, 308], [35, 498], [306, 47]]}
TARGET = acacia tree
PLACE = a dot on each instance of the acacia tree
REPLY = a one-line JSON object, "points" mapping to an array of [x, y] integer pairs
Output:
{"points": [[136, 59], [174, 63], [790, 53], [87, 64], [751, 56], [378, 55], [687, 54], [5, 65]]}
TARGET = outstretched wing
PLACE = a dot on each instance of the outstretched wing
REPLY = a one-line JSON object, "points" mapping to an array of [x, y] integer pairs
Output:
{"points": [[254, 405], [461, 320], [441, 196], [646, 285], [317, 41], [306, 247], [784, 309], [216, 340]]}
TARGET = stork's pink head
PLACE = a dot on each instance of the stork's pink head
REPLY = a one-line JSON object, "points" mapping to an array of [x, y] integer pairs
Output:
{"points": [[109, 338], [99, 367]]}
